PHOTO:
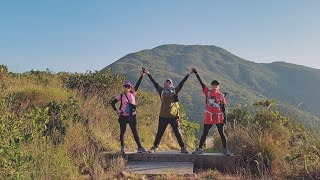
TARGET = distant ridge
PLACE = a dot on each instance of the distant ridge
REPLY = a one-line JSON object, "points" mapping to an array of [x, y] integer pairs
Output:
{"points": [[246, 81]]}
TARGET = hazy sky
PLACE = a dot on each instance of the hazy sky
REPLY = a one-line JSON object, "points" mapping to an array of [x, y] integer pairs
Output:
{"points": [[80, 35]]}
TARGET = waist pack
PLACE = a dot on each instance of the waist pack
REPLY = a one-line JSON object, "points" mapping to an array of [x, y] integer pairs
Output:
{"points": [[131, 108]]}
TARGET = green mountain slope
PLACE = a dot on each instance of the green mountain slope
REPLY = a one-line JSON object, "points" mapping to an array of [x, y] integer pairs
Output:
{"points": [[246, 81]]}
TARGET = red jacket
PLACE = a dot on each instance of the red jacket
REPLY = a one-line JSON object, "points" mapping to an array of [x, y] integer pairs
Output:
{"points": [[213, 111]]}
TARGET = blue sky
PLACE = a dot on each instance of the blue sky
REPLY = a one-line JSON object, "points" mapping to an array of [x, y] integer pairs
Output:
{"points": [[80, 35]]}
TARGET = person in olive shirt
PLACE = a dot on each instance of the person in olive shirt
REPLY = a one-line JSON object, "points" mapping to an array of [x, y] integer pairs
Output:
{"points": [[169, 110]]}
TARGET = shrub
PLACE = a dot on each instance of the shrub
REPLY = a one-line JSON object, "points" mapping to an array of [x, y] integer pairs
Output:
{"points": [[36, 96], [94, 83], [3, 70], [189, 130], [271, 144]]}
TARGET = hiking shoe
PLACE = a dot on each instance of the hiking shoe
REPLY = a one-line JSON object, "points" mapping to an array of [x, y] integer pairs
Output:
{"points": [[152, 150], [184, 150], [226, 152], [198, 151], [123, 150], [142, 150]]}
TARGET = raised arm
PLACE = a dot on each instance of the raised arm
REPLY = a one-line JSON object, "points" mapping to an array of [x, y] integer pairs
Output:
{"points": [[155, 84], [179, 87], [199, 79], [138, 83]]}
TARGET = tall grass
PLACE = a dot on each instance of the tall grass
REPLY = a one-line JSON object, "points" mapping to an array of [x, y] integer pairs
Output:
{"points": [[57, 126], [270, 144]]}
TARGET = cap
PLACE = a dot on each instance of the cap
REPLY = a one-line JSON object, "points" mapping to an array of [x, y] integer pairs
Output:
{"points": [[215, 82], [127, 82]]}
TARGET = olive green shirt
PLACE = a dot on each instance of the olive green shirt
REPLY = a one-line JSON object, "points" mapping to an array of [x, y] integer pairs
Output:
{"points": [[169, 108]]}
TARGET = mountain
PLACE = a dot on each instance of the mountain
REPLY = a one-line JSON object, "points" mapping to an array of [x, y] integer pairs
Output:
{"points": [[291, 85]]}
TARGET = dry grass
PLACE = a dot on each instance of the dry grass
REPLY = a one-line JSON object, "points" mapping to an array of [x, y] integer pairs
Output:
{"points": [[48, 162], [79, 155]]}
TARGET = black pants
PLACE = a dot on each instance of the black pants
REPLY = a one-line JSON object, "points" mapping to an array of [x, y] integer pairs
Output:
{"points": [[163, 123], [123, 121], [206, 129]]}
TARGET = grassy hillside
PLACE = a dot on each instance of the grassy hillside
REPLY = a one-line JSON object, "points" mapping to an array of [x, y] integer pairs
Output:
{"points": [[58, 126], [296, 84], [246, 81]]}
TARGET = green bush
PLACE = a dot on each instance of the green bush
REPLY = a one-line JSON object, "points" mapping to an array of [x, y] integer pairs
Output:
{"points": [[48, 131], [271, 144], [189, 130], [48, 124], [94, 82], [3, 70]]}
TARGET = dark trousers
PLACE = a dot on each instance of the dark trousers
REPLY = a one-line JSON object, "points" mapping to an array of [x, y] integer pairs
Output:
{"points": [[163, 123], [123, 121], [206, 129]]}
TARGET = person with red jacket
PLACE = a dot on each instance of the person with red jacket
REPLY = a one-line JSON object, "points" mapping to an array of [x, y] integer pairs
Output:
{"points": [[214, 114]]}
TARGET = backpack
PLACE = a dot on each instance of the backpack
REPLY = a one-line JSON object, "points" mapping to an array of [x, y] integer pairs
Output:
{"points": [[221, 97], [222, 106]]}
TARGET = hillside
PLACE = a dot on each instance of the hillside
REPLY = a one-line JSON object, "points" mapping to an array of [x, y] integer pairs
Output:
{"points": [[59, 126], [56, 126], [246, 81]]}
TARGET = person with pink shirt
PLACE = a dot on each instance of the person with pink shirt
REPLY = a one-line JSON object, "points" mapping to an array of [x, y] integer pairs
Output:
{"points": [[127, 113]]}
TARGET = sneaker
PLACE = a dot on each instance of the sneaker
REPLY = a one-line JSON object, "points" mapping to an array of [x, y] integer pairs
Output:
{"points": [[123, 150], [142, 150], [226, 152], [152, 150], [198, 151], [184, 150]]}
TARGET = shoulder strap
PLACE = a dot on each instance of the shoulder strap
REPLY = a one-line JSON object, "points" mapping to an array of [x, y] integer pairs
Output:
{"points": [[120, 101], [222, 97], [126, 97], [208, 97], [222, 105], [209, 93]]}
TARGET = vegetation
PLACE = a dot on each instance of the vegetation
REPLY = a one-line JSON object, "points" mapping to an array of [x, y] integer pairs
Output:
{"points": [[58, 126], [270, 144], [293, 86]]}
